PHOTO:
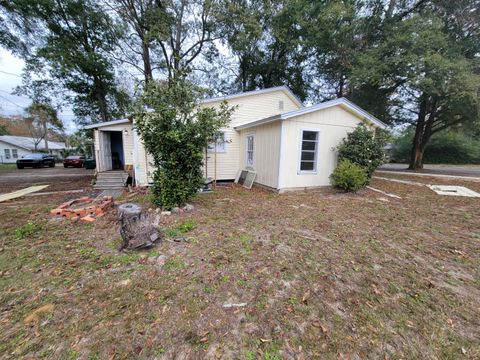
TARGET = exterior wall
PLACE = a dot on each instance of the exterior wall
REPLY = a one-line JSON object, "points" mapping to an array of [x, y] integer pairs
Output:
{"points": [[21, 152], [266, 152], [127, 138], [249, 108], [143, 163], [333, 125]]}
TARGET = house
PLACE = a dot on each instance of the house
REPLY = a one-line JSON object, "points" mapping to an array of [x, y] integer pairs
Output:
{"points": [[289, 146], [14, 147]]}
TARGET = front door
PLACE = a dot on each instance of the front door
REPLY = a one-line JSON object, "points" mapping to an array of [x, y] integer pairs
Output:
{"points": [[105, 155]]}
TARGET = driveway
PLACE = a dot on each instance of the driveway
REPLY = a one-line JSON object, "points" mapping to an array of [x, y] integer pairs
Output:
{"points": [[459, 170], [58, 178]]}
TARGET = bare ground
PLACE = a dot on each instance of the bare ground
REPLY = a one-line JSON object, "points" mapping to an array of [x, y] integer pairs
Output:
{"points": [[323, 275]]}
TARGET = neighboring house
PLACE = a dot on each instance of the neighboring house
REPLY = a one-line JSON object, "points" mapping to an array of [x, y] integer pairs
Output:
{"points": [[289, 146], [14, 147]]}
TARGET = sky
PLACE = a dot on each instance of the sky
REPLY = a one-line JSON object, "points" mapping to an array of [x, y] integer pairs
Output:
{"points": [[10, 76]]}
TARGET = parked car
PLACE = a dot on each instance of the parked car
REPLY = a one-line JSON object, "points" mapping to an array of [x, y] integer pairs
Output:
{"points": [[36, 161], [74, 160]]}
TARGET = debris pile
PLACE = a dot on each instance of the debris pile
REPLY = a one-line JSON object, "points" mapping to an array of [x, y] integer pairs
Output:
{"points": [[138, 230], [84, 208]]}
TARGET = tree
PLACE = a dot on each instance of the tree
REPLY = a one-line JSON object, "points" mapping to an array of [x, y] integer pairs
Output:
{"points": [[144, 22], [82, 142], [264, 36], [437, 84], [175, 130], [3, 130], [72, 40], [42, 118]]}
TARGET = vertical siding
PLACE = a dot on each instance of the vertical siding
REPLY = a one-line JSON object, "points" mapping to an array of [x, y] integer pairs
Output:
{"points": [[333, 124], [249, 108], [266, 152]]}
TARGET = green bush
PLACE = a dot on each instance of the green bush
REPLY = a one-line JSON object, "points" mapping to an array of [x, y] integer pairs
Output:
{"points": [[175, 131], [349, 176], [445, 147], [363, 147]]}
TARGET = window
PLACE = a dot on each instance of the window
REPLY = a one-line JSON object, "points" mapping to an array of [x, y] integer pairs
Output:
{"points": [[250, 147], [15, 153], [7, 154], [309, 149], [219, 145]]}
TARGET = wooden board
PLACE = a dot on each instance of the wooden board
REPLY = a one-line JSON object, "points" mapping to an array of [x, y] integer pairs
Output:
{"points": [[23, 192]]}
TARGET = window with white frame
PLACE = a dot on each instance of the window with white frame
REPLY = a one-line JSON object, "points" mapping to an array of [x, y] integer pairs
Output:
{"points": [[15, 153], [250, 148], [218, 145], [309, 150], [7, 153]]}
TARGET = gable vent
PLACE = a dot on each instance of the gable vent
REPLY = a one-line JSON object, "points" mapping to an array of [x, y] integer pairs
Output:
{"points": [[280, 105]]}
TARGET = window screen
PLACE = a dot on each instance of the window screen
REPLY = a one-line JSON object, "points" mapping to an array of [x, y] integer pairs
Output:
{"points": [[250, 147], [308, 157]]}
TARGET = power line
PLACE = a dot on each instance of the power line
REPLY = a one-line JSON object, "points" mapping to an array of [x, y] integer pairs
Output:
{"points": [[10, 101], [9, 73]]}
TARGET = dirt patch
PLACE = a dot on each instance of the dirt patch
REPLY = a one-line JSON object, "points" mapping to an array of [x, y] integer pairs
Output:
{"points": [[322, 276]]}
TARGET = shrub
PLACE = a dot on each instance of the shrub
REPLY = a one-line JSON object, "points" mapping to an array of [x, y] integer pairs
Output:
{"points": [[175, 131], [349, 176], [363, 147]]}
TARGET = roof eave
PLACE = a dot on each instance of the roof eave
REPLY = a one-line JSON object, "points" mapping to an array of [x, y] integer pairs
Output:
{"points": [[107, 123], [258, 122]]}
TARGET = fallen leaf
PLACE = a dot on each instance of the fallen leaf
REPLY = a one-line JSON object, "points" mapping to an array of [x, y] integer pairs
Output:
{"points": [[38, 313]]}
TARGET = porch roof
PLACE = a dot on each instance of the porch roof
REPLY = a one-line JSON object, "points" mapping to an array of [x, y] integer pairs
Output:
{"points": [[106, 123]]}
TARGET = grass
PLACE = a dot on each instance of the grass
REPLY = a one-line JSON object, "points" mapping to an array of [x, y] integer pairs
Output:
{"points": [[342, 276], [8, 166]]}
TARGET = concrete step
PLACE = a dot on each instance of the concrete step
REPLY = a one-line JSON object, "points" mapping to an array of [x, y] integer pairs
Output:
{"points": [[104, 186]]}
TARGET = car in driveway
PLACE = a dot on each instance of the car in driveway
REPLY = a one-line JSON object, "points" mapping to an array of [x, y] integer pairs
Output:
{"points": [[74, 160], [36, 160]]}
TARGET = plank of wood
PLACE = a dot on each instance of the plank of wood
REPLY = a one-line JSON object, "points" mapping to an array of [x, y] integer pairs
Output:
{"points": [[23, 192]]}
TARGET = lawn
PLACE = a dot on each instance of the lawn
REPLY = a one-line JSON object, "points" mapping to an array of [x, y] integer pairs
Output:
{"points": [[8, 166], [322, 274]]}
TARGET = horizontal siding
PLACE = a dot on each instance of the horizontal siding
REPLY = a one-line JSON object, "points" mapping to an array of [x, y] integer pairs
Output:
{"points": [[248, 108], [333, 124], [20, 152]]}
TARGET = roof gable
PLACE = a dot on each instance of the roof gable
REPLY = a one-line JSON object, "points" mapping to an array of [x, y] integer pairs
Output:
{"points": [[285, 89], [343, 102]]}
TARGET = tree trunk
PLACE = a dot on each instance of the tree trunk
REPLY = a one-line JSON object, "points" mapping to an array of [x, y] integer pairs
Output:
{"points": [[147, 65], [423, 133], [45, 131]]}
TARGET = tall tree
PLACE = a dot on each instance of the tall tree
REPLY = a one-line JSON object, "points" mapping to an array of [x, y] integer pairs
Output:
{"points": [[438, 84], [42, 117], [72, 39]]}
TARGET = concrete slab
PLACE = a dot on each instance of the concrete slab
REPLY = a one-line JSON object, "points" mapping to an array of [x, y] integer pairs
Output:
{"points": [[115, 193]]}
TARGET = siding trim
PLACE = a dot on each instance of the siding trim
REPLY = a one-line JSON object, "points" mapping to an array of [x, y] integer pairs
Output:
{"points": [[280, 157]]}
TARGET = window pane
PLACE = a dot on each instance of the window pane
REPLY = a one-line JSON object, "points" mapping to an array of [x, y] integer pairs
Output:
{"points": [[308, 145], [307, 166], [308, 155], [310, 135]]}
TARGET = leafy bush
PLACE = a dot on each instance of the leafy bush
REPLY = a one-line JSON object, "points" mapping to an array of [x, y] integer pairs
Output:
{"points": [[365, 148], [349, 176], [175, 131], [445, 147]]}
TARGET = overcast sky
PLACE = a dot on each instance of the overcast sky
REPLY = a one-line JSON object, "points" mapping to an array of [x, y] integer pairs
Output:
{"points": [[10, 77]]}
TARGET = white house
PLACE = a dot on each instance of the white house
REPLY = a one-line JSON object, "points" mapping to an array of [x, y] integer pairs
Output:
{"points": [[289, 146], [14, 147]]}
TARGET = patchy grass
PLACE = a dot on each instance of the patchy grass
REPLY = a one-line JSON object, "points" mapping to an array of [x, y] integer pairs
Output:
{"points": [[8, 166], [323, 274]]}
